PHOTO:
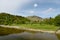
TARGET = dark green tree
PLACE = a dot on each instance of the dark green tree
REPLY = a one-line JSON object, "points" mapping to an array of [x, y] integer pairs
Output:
{"points": [[8, 19], [57, 20]]}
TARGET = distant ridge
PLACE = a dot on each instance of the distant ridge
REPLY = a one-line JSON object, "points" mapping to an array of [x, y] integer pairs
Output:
{"points": [[34, 18]]}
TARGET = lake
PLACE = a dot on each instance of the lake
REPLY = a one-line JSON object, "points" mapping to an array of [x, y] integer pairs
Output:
{"points": [[30, 36]]}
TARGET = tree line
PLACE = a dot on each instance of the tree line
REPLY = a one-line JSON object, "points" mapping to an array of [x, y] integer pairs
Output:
{"points": [[8, 19], [52, 21]]}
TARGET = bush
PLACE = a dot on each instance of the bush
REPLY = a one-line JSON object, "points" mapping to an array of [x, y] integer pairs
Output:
{"points": [[57, 20]]}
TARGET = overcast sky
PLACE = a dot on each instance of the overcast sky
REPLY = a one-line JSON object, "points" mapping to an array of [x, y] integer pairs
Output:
{"points": [[42, 8]]}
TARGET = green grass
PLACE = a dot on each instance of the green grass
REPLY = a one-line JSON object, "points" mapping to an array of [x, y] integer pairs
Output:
{"points": [[38, 26]]}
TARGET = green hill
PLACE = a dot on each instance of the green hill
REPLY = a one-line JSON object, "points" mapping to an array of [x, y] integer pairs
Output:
{"points": [[35, 18], [8, 19]]}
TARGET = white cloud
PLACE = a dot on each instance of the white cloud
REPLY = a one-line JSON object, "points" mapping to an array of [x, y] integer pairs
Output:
{"points": [[48, 10], [11, 5], [35, 5]]}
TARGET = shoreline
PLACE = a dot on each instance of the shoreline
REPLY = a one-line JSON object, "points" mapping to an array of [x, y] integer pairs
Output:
{"points": [[28, 29]]}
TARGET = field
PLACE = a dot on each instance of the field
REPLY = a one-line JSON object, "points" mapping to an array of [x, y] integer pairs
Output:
{"points": [[39, 26]]}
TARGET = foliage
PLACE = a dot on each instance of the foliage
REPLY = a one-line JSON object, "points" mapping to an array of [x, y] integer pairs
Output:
{"points": [[57, 20], [49, 21], [8, 19]]}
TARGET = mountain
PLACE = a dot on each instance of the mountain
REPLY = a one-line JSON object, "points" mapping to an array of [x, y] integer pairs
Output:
{"points": [[34, 18], [9, 19]]}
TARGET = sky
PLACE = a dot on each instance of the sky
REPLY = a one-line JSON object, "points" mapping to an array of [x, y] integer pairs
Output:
{"points": [[42, 8]]}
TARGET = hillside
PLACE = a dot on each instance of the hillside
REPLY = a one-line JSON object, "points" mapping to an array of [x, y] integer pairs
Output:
{"points": [[7, 19], [34, 18]]}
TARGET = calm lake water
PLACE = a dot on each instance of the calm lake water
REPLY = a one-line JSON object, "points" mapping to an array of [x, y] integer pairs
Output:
{"points": [[29, 36]]}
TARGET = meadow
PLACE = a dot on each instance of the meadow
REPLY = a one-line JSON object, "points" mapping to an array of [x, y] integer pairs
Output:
{"points": [[38, 26]]}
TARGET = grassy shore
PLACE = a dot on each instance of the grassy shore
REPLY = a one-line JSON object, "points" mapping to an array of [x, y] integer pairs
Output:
{"points": [[39, 26], [27, 27]]}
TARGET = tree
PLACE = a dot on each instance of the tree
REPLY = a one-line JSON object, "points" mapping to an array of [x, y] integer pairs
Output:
{"points": [[8, 19], [48, 21], [57, 20]]}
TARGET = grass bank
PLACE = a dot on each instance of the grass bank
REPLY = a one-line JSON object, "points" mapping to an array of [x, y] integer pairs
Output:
{"points": [[39, 26], [35, 27]]}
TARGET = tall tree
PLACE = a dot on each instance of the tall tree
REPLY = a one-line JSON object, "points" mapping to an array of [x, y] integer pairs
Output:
{"points": [[57, 20]]}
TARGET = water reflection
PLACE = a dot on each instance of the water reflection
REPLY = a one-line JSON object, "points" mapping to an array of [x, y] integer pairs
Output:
{"points": [[30, 36]]}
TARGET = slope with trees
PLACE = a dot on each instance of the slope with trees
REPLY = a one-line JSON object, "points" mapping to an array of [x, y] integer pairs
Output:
{"points": [[7, 19]]}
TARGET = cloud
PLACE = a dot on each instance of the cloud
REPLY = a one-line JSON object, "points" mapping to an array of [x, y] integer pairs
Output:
{"points": [[11, 5], [48, 10], [35, 5]]}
